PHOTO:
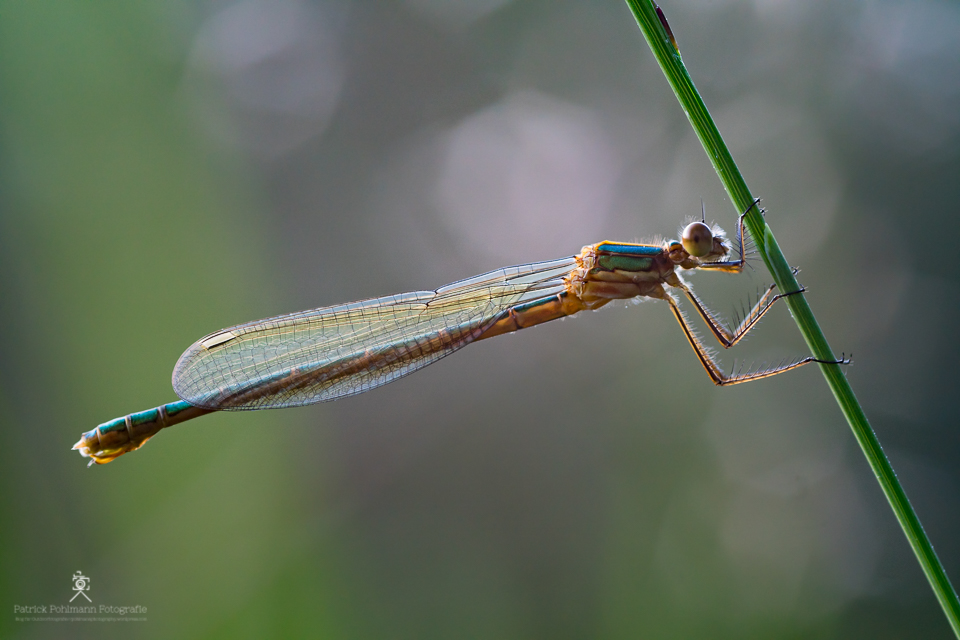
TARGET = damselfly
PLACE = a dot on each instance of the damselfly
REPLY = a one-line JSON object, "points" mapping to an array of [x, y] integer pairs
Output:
{"points": [[333, 352]]}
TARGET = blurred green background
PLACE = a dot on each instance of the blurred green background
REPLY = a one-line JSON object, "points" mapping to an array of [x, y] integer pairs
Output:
{"points": [[171, 168]]}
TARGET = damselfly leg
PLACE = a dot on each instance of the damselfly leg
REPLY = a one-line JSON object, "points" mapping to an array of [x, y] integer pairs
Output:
{"points": [[725, 336]]}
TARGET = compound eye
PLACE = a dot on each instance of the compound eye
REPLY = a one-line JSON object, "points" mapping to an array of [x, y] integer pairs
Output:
{"points": [[697, 239]]}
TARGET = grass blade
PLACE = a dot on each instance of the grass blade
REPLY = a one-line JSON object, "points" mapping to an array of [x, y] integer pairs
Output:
{"points": [[660, 38]]}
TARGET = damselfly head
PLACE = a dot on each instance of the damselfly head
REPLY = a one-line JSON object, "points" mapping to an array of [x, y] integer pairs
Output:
{"points": [[704, 242], [697, 239]]}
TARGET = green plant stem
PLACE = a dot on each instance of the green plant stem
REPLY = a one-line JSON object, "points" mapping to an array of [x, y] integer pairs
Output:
{"points": [[668, 55]]}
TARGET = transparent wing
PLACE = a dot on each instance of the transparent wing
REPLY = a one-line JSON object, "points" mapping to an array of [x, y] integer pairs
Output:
{"points": [[332, 352]]}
